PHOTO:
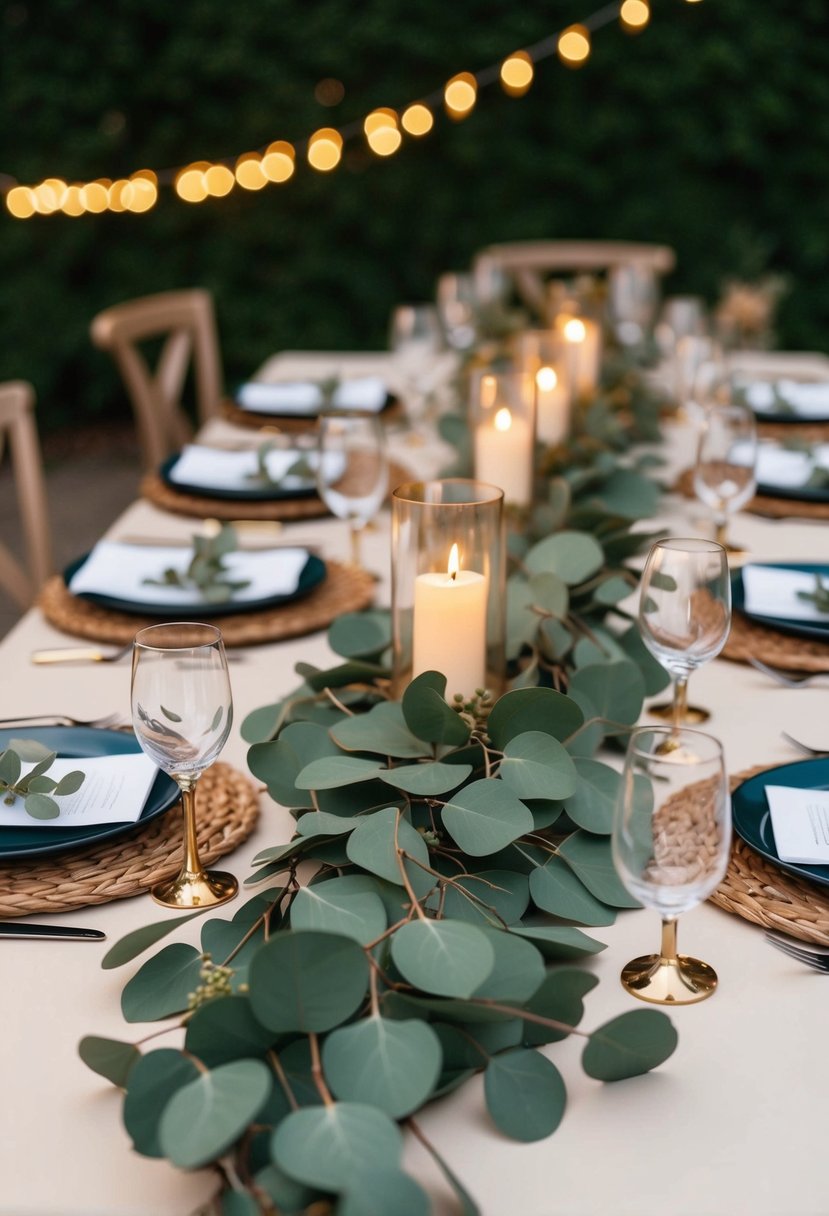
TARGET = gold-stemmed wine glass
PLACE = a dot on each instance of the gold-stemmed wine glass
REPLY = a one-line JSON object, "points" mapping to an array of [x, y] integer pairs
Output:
{"points": [[182, 711], [352, 469], [684, 615], [670, 841], [725, 472]]}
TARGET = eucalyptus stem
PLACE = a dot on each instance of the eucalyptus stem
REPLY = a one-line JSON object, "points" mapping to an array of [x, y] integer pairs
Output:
{"points": [[527, 1016], [316, 1069], [401, 862], [276, 1065]]}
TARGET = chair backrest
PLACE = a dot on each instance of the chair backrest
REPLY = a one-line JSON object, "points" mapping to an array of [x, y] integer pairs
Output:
{"points": [[527, 263], [186, 322], [18, 430]]}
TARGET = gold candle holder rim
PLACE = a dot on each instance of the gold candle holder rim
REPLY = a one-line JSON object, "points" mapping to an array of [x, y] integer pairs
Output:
{"points": [[414, 492]]}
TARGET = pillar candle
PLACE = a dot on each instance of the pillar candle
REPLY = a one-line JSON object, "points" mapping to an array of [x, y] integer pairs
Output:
{"points": [[584, 342], [449, 629], [504, 456], [552, 400]]}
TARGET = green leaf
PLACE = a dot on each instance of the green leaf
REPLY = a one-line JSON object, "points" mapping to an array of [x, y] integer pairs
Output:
{"points": [[378, 1193], [41, 806], [469, 1046], [505, 892], [486, 816], [225, 1029], [612, 590], [152, 1083], [388, 1064], [355, 671], [220, 938], [290, 1197], [630, 494], [589, 857], [393, 898], [204, 1118], [372, 847], [522, 622], [39, 784], [525, 1094], [163, 984], [360, 634], [239, 1203], [321, 907], [517, 972], [321, 823], [556, 889], [558, 997], [334, 1147], [573, 556], [307, 981], [614, 691], [427, 714], [559, 941], [132, 944], [278, 764], [527, 709], [536, 765], [330, 772], [654, 674], [10, 767], [593, 804], [550, 593], [629, 1045], [442, 956], [427, 779], [108, 1057], [382, 730]]}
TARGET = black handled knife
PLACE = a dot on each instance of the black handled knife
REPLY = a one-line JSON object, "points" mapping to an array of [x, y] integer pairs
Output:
{"points": [[13, 928]]}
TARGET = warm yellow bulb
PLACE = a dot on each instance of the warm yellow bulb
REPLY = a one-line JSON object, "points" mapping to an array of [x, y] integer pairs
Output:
{"points": [[503, 420], [94, 197], [417, 119], [517, 74], [249, 172], [190, 184], [460, 94], [72, 203], [20, 202], [574, 45], [325, 149], [49, 195], [635, 14], [219, 180], [546, 379], [574, 330], [143, 192], [119, 195], [377, 120], [279, 161]]}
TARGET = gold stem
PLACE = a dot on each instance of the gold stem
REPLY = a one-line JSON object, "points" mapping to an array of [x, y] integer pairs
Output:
{"points": [[721, 528], [669, 938], [191, 865], [356, 552], [680, 706]]}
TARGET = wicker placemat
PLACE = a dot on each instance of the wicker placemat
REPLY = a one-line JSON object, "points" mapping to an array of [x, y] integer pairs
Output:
{"points": [[346, 588], [227, 809], [764, 504], [393, 412], [748, 640], [157, 491], [757, 890], [784, 432]]}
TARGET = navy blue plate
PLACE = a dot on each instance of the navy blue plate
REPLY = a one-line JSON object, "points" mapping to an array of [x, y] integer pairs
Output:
{"points": [[262, 492], [752, 818], [81, 742], [802, 629], [795, 493], [313, 573]]}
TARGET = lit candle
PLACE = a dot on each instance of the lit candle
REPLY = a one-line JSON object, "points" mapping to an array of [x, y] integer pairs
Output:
{"points": [[449, 628], [552, 400], [583, 338], [504, 456]]}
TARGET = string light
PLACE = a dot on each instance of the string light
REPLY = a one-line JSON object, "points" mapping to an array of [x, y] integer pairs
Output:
{"points": [[276, 163]]}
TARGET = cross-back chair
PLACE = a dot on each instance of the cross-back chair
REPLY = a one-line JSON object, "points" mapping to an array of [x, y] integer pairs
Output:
{"points": [[18, 433], [186, 322]]}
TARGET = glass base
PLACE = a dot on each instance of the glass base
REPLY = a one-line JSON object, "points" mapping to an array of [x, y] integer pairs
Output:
{"points": [[669, 981], [694, 715], [205, 890]]}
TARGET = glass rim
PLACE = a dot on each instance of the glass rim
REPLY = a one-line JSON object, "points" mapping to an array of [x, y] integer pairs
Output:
{"points": [[213, 640], [688, 544], [487, 494]]}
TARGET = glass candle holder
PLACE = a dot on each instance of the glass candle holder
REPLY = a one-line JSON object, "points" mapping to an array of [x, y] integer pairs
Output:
{"points": [[582, 337], [448, 584], [502, 422], [541, 354]]}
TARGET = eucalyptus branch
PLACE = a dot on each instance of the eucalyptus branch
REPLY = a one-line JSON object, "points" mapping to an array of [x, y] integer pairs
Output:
{"points": [[527, 1016], [338, 703], [316, 1069], [402, 856], [617, 728], [276, 1065]]}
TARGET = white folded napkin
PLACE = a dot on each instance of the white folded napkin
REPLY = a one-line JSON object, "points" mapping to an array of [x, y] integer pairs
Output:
{"points": [[800, 819], [772, 591], [302, 399], [807, 399], [788, 470], [118, 570], [212, 469], [114, 790]]}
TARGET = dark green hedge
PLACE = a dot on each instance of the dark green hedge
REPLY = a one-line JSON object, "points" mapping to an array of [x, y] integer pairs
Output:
{"points": [[707, 132]]}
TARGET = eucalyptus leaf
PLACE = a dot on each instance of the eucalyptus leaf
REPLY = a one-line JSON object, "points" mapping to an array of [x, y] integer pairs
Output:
{"points": [[613, 691], [221, 938], [321, 823], [393, 1065], [321, 907], [573, 556], [500, 896], [379, 1192], [41, 806], [593, 802], [443, 957], [382, 730], [151, 1084], [522, 622], [535, 765], [132, 944], [555, 888], [527, 709], [427, 714], [471, 1046], [331, 772], [239, 1203], [278, 764], [559, 941], [334, 1147], [612, 590], [628, 493], [360, 634], [110, 1058], [163, 984], [393, 897], [550, 593], [589, 857], [560, 998], [517, 972], [629, 1045], [290, 1197], [655, 676], [427, 779], [10, 767], [225, 1029], [307, 981], [205, 1117], [525, 1094], [372, 846]]}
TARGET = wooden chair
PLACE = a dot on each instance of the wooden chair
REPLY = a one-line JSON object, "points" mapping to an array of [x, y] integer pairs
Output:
{"points": [[186, 322], [19, 433], [528, 263]]}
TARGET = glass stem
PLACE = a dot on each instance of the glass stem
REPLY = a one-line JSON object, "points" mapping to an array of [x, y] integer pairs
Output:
{"points": [[680, 701], [668, 950], [192, 864], [720, 530], [356, 550]]}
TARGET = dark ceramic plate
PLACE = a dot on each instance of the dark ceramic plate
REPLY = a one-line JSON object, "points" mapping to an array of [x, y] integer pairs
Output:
{"points": [[802, 629], [752, 818]]}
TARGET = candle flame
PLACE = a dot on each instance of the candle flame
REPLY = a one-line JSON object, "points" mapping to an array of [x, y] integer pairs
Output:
{"points": [[454, 562], [489, 391], [546, 379], [575, 331], [503, 420]]}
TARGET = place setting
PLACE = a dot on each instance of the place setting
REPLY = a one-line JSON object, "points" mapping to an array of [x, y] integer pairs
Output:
{"points": [[293, 404]]}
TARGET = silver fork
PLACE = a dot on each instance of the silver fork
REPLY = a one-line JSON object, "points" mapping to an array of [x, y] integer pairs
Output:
{"points": [[816, 957], [106, 722], [788, 678]]}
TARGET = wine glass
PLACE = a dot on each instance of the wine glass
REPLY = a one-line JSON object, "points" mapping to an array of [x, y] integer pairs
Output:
{"points": [[182, 710], [670, 841], [633, 295], [352, 469], [684, 615], [725, 473], [456, 306], [415, 339]]}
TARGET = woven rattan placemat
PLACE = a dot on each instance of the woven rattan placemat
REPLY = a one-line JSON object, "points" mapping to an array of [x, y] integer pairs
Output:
{"points": [[346, 588], [748, 640], [227, 807], [757, 890], [764, 504], [394, 412]]}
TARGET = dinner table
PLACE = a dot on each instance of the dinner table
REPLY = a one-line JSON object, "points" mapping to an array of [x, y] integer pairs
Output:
{"points": [[731, 1123]]}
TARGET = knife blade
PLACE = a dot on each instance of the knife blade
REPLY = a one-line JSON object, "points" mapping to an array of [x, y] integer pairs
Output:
{"points": [[12, 928]]}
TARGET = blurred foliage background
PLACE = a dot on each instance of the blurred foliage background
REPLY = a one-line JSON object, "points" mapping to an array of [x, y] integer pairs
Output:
{"points": [[707, 132]]}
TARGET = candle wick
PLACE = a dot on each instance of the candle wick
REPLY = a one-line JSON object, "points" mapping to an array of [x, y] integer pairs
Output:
{"points": [[453, 575]]}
